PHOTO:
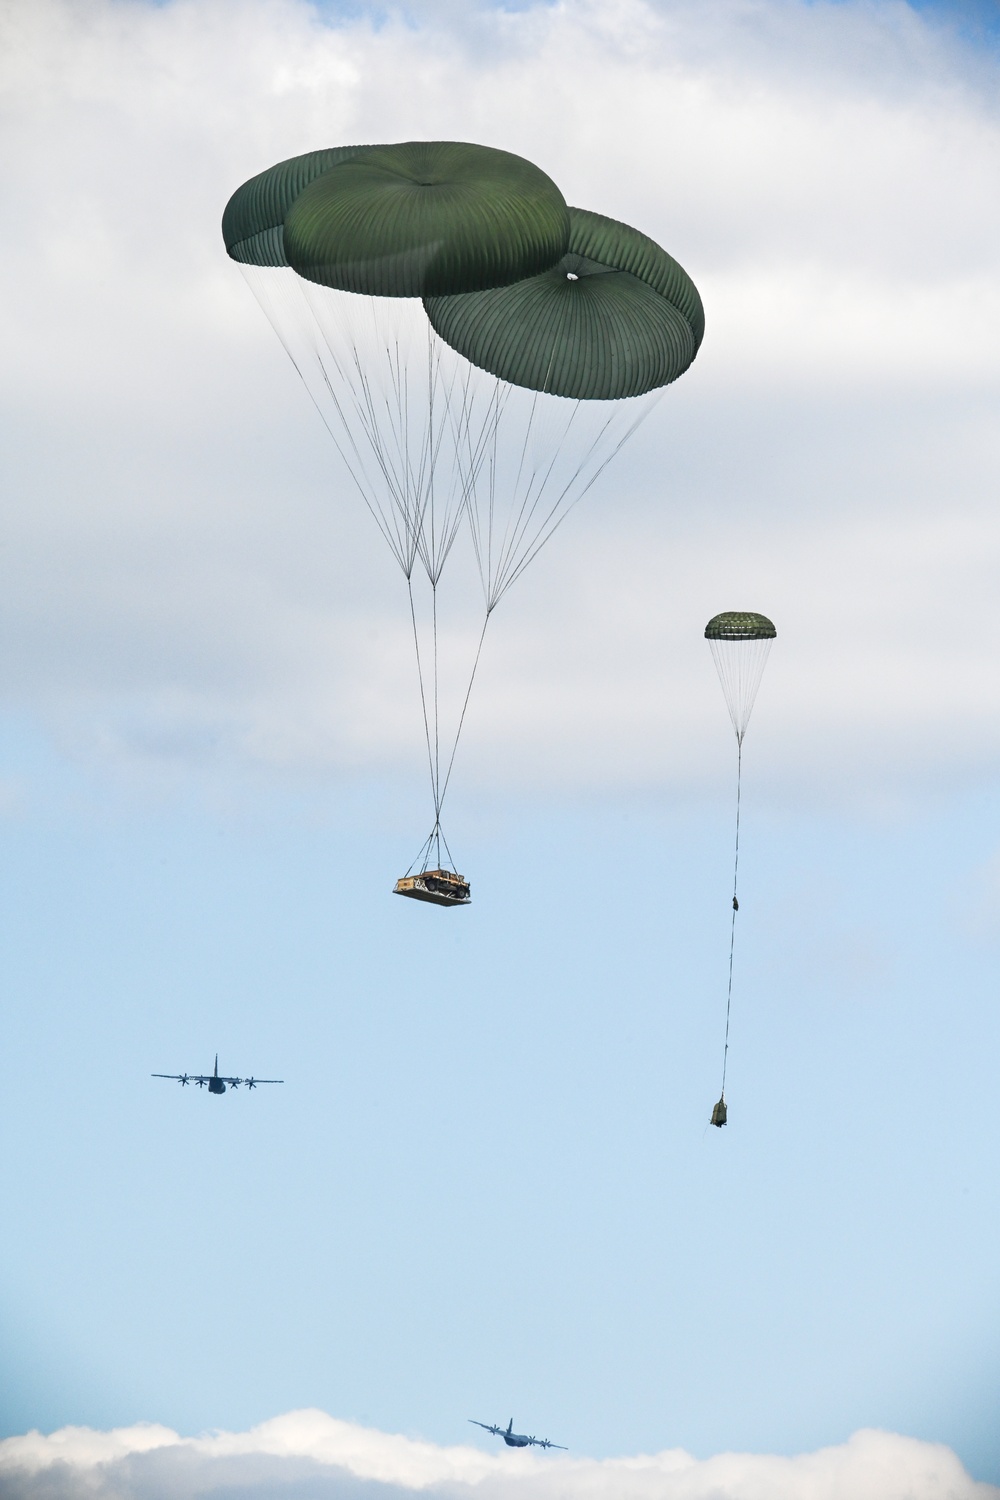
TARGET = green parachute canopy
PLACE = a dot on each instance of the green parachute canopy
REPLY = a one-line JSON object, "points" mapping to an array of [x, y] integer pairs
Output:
{"points": [[739, 625], [254, 219], [426, 217], [740, 643], [616, 317]]}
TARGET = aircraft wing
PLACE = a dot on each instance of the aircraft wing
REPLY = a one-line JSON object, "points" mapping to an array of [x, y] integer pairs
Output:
{"points": [[486, 1426], [546, 1443], [252, 1083], [183, 1077]]}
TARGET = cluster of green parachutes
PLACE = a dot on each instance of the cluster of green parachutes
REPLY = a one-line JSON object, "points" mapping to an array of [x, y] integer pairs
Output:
{"points": [[540, 295], [479, 352]]}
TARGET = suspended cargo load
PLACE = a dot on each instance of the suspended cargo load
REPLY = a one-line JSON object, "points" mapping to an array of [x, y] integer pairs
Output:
{"points": [[719, 1112], [442, 887]]}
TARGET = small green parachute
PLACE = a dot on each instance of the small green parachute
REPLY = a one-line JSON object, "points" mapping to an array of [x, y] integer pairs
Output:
{"points": [[740, 642]]}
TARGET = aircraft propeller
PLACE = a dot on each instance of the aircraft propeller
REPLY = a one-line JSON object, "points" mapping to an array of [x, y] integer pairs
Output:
{"points": [[183, 1080], [249, 1083]]}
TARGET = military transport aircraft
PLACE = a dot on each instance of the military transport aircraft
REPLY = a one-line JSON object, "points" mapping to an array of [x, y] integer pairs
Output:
{"points": [[517, 1439], [216, 1085]]}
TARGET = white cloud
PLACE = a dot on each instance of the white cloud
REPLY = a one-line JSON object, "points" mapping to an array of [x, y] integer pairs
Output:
{"points": [[310, 1453], [179, 577]]}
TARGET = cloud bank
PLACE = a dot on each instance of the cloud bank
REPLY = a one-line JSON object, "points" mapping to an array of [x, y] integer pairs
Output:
{"points": [[310, 1454], [185, 577]]}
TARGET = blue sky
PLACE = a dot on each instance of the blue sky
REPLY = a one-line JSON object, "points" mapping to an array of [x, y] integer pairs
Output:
{"points": [[487, 1186]]}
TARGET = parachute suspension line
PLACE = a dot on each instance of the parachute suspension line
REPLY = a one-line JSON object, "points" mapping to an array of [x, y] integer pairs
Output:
{"points": [[433, 573], [435, 532], [736, 907], [423, 690], [267, 304], [512, 565], [461, 717], [436, 837], [437, 721]]}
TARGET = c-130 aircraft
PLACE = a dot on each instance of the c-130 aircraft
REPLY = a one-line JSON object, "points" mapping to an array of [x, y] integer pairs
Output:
{"points": [[517, 1439], [216, 1085]]}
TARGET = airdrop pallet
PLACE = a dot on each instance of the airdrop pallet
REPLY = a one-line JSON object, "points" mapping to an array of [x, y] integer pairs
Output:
{"points": [[442, 887]]}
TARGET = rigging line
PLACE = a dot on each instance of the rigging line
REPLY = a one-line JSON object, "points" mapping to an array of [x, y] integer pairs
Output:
{"points": [[543, 535], [394, 473], [421, 482], [424, 847], [534, 550], [423, 694], [465, 415], [391, 534], [493, 471], [467, 467], [512, 567], [394, 470], [434, 584], [513, 539], [451, 857], [509, 566], [506, 546], [732, 931], [366, 414], [432, 496], [461, 720], [437, 718], [482, 451], [436, 836], [494, 461], [535, 488], [397, 420], [524, 452], [368, 423], [446, 516], [434, 534], [362, 490]]}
